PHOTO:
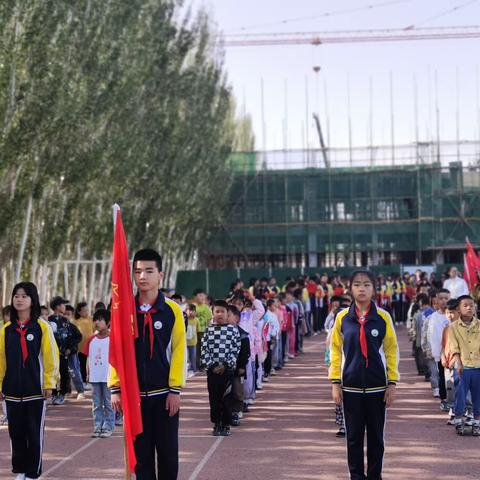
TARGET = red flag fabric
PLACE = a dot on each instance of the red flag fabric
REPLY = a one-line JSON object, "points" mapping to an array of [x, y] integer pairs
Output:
{"points": [[472, 267], [123, 331]]}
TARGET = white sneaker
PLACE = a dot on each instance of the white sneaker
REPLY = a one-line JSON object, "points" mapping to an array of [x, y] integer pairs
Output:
{"points": [[81, 396], [454, 421], [20, 476], [190, 374], [436, 393]]}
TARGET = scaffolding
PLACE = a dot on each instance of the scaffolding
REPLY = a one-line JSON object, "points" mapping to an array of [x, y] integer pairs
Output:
{"points": [[385, 205]]}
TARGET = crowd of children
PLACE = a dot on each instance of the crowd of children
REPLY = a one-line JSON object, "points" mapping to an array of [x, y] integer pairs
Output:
{"points": [[245, 339], [445, 334]]}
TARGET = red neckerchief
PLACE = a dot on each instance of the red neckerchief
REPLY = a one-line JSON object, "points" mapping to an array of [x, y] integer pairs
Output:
{"points": [[148, 321], [363, 338], [22, 330]]}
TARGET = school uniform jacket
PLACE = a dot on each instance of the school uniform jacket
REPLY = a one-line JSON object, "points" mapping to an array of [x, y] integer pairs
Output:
{"points": [[164, 370], [21, 382], [348, 365]]}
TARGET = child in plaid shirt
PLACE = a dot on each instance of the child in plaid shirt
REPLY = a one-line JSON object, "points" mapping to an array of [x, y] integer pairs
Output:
{"points": [[220, 348]]}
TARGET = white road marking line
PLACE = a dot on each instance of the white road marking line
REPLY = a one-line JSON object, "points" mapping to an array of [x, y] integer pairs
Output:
{"points": [[71, 456], [205, 459]]}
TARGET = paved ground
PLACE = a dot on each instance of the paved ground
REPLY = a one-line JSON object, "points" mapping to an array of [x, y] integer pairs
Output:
{"points": [[289, 434]]}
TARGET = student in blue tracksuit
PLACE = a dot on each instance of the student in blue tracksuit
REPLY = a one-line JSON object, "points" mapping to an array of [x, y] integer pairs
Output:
{"points": [[364, 373], [29, 362]]}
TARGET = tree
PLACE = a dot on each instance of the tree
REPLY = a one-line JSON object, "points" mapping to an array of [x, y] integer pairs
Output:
{"points": [[119, 101]]}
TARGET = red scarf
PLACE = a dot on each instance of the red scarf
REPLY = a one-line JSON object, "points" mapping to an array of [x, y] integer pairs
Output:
{"points": [[22, 330], [363, 337], [148, 322]]}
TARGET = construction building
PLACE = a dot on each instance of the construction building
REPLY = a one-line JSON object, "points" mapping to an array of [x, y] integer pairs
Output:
{"points": [[345, 207]]}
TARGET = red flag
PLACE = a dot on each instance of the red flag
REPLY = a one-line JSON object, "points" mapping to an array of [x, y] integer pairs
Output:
{"points": [[472, 267], [123, 331]]}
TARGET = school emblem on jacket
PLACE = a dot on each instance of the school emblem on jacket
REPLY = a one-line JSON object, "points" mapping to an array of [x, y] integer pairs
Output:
{"points": [[30, 337], [158, 325], [374, 332]]}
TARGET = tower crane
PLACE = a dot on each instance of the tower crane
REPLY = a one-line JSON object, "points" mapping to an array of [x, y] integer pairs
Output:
{"points": [[410, 33]]}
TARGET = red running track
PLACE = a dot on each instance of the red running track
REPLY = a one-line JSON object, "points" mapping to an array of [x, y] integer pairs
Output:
{"points": [[289, 434]]}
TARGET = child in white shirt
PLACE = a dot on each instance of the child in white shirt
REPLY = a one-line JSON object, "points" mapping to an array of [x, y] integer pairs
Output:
{"points": [[96, 350]]}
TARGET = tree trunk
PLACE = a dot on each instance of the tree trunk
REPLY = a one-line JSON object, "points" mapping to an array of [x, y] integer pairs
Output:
{"points": [[23, 245]]}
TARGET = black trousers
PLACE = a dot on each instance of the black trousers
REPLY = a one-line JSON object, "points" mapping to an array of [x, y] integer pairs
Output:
{"points": [[64, 378], [267, 365], [284, 345], [26, 424], [442, 386], [83, 365], [364, 411], [237, 394], [219, 395], [314, 314], [160, 435], [199, 349], [323, 314]]}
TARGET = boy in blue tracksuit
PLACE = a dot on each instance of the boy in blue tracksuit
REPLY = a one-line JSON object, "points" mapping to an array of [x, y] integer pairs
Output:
{"points": [[364, 372], [160, 352]]}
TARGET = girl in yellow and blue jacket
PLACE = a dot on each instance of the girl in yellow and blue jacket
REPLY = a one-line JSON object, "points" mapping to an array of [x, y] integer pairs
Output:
{"points": [[364, 372], [29, 361]]}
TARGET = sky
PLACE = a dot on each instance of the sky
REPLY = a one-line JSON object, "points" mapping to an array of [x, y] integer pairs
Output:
{"points": [[446, 71]]}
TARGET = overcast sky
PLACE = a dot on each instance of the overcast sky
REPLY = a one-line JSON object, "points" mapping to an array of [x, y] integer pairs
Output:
{"points": [[289, 68]]}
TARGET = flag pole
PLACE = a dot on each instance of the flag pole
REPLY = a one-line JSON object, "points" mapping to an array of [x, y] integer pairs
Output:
{"points": [[128, 475]]}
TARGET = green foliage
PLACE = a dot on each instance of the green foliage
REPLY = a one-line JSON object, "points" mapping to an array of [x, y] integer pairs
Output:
{"points": [[113, 101]]}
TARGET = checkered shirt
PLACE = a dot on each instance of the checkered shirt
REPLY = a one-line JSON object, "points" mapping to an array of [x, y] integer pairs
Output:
{"points": [[220, 344]]}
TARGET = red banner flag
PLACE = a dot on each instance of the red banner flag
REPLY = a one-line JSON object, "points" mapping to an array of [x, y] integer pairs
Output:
{"points": [[123, 331], [472, 267]]}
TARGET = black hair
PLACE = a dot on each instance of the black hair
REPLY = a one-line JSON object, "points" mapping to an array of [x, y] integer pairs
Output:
{"points": [[298, 293], [221, 304], [7, 310], [233, 310], [453, 304], [367, 273], [239, 297], [335, 298], [148, 255], [57, 301], [192, 307], [443, 290], [422, 298], [290, 286], [80, 305], [100, 306], [176, 296], [198, 291], [32, 292], [43, 307], [102, 314], [270, 302], [69, 308], [464, 297], [282, 295]]}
